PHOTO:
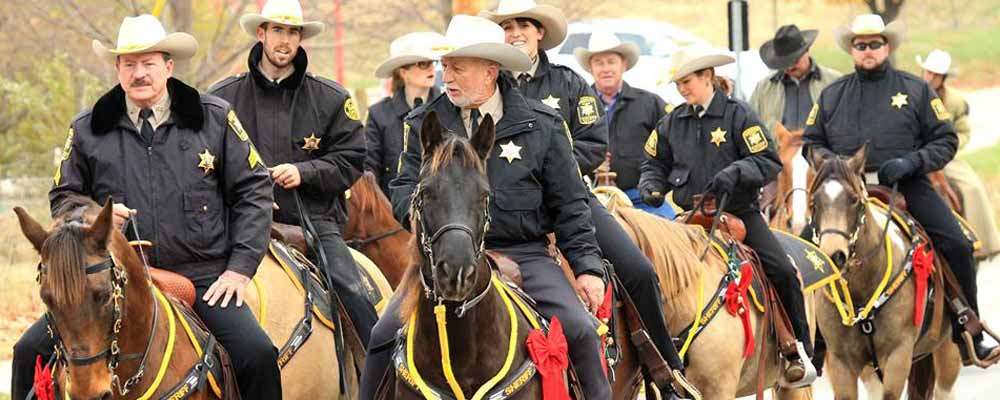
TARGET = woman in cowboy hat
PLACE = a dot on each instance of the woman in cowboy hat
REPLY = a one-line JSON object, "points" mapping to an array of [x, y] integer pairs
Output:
{"points": [[411, 67], [715, 145]]}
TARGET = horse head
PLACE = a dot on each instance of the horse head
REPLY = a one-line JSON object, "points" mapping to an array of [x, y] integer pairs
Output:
{"points": [[450, 209], [83, 280], [839, 204]]}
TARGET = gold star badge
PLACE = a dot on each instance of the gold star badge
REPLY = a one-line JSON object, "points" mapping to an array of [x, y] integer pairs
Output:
{"points": [[718, 137], [207, 162], [311, 142], [899, 100], [551, 102], [510, 151]]}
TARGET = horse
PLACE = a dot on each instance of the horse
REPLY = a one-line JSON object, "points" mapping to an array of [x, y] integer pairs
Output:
{"points": [[788, 210], [81, 309], [373, 230], [864, 244]]}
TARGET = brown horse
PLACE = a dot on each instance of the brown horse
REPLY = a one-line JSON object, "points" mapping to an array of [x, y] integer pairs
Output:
{"points": [[789, 210], [850, 231], [373, 230]]}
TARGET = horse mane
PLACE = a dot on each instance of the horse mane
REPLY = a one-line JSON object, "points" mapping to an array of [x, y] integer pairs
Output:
{"points": [[66, 253], [835, 167], [370, 199], [673, 248]]}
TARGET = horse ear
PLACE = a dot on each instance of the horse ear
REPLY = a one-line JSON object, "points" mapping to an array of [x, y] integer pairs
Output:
{"points": [[857, 161], [815, 159], [483, 139], [100, 231], [31, 228], [431, 133]]}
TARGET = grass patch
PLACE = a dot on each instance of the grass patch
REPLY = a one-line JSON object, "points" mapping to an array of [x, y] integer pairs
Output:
{"points": [[986, 161]]}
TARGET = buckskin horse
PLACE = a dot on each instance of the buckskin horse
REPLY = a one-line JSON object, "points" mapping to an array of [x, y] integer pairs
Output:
{"points": [[100, 296]]}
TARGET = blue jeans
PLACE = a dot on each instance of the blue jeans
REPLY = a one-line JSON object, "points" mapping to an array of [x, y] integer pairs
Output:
{"points": [[665, 210]]}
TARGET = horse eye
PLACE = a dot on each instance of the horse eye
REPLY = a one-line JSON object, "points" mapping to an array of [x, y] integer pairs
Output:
{"points": [[101, 296]]}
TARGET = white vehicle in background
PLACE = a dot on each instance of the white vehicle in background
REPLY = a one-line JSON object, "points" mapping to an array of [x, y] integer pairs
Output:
{"points": [[657, 41]]}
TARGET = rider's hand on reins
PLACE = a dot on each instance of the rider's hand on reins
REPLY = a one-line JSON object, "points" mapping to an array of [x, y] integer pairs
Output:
{"points": [[286, 175], [590, 288], [229, 283], [121, 214]]}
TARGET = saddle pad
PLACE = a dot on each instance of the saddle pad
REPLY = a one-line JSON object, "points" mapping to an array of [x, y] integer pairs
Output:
{"points": [[294, 263], [368, 270], [815, 266]]}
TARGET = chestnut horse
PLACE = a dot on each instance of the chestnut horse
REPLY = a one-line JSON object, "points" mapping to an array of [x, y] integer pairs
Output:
{"points": [[373, 230]]}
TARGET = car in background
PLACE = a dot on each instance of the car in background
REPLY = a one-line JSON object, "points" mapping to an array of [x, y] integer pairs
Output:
{"points": [[657, 41]]}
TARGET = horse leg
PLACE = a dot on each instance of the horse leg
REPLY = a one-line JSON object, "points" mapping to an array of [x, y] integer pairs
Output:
{"points": [[872, 384], [896, 371], [947, 365], [843, 378]]}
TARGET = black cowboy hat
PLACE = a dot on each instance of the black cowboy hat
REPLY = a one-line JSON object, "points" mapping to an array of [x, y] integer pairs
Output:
{"points": [[788, 45]]}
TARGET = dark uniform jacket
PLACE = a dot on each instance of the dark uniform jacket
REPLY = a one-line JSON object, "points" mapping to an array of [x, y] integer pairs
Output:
{"points": [[898, 114], [634, 116], [202, 195], [384, 136], [534, 195], [568, 93], [305, 120], [685, 152]]}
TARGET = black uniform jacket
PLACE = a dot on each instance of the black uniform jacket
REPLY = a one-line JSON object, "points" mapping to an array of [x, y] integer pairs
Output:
{"points": [[567, 92], [202, 195], [685, 152], [635, 115], [384, 136], [898, 114], [533, 195], [305, 120]]}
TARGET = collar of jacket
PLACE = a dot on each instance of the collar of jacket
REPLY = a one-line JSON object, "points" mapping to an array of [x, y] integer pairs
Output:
{"points": [[874, 74], [516, 111], [301, 62], [543, 66], [717, 108], [626, 92], [399, 105], [185, 108], [813, 74]]}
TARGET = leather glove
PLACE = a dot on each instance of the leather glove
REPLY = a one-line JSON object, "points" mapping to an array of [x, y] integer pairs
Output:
{"points": [[651, 197], [895, 170], [724, 182]]}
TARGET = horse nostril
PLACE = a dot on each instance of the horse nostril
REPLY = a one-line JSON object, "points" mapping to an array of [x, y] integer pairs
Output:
{"points": [[106, 395], [839, 258]]}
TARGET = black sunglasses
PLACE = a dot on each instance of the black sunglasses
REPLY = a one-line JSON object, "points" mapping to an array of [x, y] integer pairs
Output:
{"points": [[421, 64], [862, 46]]}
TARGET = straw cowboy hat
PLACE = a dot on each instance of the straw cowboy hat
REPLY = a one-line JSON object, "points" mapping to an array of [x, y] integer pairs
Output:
{"points": [[788, 45], [938, 62], [285, 12], [477, 37], [551, 18], [145, 34], [602, 41], [412, 48], [870, 24], [690, 59]]}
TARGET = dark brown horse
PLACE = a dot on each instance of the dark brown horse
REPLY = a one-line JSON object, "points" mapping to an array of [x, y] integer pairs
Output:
{"points": [[373, 230]]}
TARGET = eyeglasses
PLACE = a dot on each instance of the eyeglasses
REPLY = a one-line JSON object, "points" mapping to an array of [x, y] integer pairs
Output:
{"points": [[422, 64], [862, 46]]}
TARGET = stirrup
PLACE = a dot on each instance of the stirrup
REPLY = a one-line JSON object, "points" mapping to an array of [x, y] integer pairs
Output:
{"points": [[970, 348], [684, 387], [810, 371]]}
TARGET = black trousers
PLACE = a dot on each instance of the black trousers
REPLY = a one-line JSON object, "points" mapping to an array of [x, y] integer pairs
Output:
{"points": [[253, 355], [545, 283], [639, 277], [780, 273], [346, 277]]}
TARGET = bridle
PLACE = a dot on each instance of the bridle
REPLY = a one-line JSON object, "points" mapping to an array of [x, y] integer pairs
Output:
{"points": [[361, 243], [427, 248], [852, 238]]}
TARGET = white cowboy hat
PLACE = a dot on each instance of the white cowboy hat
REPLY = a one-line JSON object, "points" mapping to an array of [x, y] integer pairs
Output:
{"points": [[145, 34], [476, 37], [694, 58], [870, 24], [603, 41], [551, 18], [285, 12], [412, 48], [938, 62]]}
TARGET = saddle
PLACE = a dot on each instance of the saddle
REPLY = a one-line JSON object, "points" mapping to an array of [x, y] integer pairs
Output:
{"points": [[291, 235], [729, 224]]}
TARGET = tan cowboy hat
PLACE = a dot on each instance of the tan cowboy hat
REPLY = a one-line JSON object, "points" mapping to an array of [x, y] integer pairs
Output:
{"points": [[145, 34], [551, 18], [477, 37], [285, 12], [603, 41], [938, 61], [412, 48], [690, 59], [870, 24]]}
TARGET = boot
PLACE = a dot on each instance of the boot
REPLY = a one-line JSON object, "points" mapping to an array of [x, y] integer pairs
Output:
{"points": [[799, 370]]}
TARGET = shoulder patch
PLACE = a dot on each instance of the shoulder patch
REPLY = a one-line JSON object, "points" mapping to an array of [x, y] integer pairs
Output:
{"points": [[668, 108], [234, 123], [755, 139], [406, 143], [351, 109], [586, 110], [940, 111], [68, 147], [650, 146], [253, 158], [811, 120]]}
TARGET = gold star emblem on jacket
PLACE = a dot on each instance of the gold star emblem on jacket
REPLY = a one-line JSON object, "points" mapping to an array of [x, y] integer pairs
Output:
{"points": [[207, 161], [510, 151], [551, 101], [718, 137], [311, 142], [899, 100]]}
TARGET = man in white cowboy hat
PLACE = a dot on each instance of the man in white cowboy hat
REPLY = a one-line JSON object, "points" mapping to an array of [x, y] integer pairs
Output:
{"points": [[553, 191], [145, 145], [977, 208], [787, 95], [631, 112], [911, 134], [410, 65], [715, 145], [307, 129]]}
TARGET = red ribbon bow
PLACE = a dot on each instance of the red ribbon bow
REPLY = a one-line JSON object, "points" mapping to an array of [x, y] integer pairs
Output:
{"points": [[738, 304], [923, 264], [551, 357], [44, 389]]}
